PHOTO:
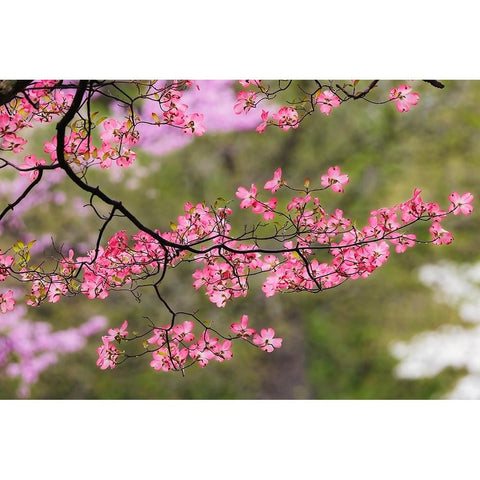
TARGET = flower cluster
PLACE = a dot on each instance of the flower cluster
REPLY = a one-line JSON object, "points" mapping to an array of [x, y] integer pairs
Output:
{"points": [[326, 99], [176, 347], [356, 253], [42, 104], [174, 112], [204, 233], [213, 98], [48, 99], [80, 150]]}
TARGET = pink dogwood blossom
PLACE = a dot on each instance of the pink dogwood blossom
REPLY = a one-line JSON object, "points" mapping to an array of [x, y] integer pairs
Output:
{"points": [[245, 101], [266, 209], [275, 183], [107, 354], [194, 125], [335, 179], [248, 196], [7, 302], [402, 242], [461, 203], [287, 117], [183, 332], [242, 329], [440, 235], [222, 351], [13, 142], [117, 333], [266, 340], [327, 101], [31, 162], [404, 98]]}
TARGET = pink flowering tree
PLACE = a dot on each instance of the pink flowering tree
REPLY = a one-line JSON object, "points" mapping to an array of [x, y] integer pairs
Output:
{"points": [[293, 243]]}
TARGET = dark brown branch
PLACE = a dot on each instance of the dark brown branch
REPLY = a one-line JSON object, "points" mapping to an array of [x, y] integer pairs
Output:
{"points": [[435, 83], [361, 94], [9, 89], [30, 187]]}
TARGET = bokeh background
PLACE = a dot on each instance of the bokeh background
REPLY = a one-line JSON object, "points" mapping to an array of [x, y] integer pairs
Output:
{"points": [[347, 343]]}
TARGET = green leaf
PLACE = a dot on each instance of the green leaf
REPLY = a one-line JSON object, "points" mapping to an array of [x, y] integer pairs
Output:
{"points": [[100, 120]]}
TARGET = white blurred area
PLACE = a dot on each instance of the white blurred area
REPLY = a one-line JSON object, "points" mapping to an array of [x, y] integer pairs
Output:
{"points": [[428, 353]]}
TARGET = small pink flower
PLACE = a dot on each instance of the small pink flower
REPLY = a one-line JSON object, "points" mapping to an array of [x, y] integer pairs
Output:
{"points": [[112, 131], [201, 355], [327, 101], [31, 162], [403, 242], [241, 329], [274, 184], [107, 354], [56, 289], [248, 196], [287, 117], [222, 351], [183, 332], [461, 204], [12, 142], [298, 203], [159, 337], [6, 125], [126, 158], [246, 101], [403, 97], [5, 263], [7, 302], [266, 209], [335, 179], [266, 340], [118, 333], [161, 360], [220, 297], [51, 148], [440, 235], [194, 125], [169, 358]]}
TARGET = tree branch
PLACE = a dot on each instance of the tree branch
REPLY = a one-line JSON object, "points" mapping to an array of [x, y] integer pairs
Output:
{"points": [[9, 89]]}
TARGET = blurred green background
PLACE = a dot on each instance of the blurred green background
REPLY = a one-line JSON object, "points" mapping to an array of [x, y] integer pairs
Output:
{"points": [[336, 344]]}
